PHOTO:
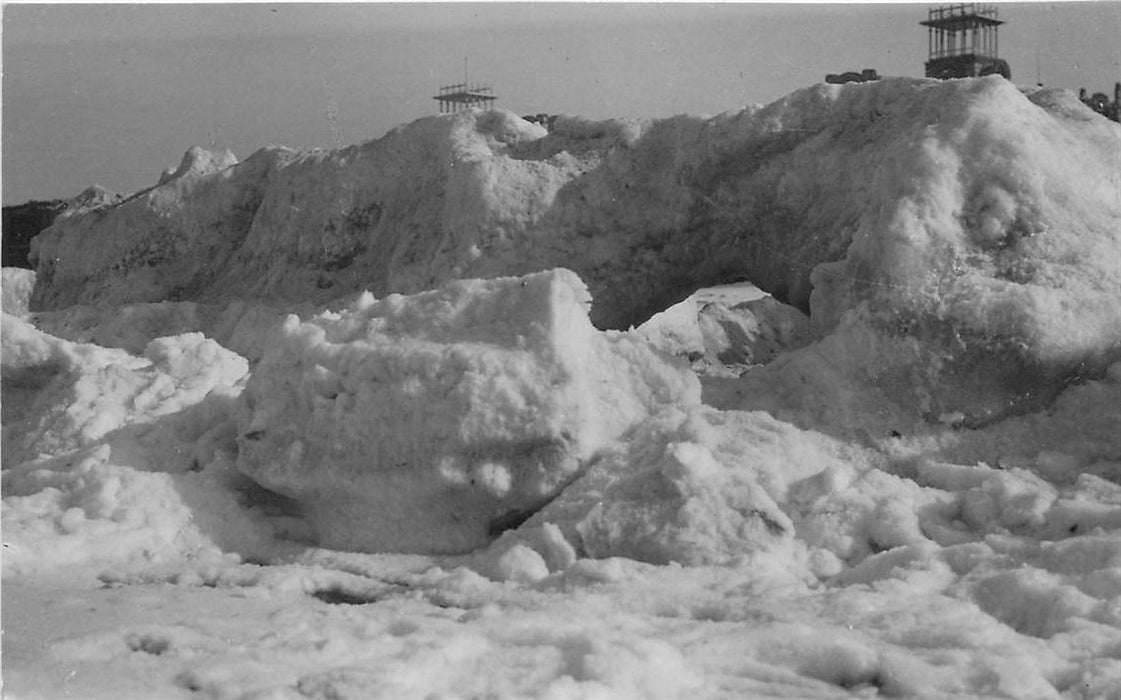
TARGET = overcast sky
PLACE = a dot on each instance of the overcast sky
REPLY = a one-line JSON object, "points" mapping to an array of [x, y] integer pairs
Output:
{"points": [[114, 94]]}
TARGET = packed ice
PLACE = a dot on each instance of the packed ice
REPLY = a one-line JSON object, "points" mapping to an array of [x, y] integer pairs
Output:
{"points": [[462, 411]]}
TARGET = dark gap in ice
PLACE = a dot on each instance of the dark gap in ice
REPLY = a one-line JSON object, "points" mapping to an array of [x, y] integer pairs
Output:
{"points": [[188, 681], [20, 388], [337, 596], [773, 526], [510, 520], [876, 548], [268, 501], [149, 644], [513, 519]]}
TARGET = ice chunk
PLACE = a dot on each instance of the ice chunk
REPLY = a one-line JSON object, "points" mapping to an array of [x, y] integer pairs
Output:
{"points": [[716, 335], [520, 563], [432, 423], [60, 396], [105, 454], [702, 487], [17, 285], [689, 508], [675, 330], [754, 332]]}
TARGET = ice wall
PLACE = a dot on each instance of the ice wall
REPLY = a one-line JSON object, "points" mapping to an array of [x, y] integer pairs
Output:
{"points": [[958, 239]]}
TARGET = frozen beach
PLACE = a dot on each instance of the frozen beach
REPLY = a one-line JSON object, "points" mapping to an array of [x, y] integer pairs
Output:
{"points": [[817, 399]]}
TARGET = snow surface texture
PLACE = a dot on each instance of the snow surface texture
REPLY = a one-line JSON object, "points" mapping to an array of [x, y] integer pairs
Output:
{"points": [[826, 525]]}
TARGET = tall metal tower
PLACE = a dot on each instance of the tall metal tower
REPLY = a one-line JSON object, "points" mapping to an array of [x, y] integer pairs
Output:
{"points": [[963, 42]]}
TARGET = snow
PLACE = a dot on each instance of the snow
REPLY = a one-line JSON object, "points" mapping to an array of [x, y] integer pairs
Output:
{"points": [[427, 423], [17, 285], [723, 334], [345, 424]]}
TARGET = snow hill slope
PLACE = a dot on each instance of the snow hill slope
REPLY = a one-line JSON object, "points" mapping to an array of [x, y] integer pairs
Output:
{"points": [[963, 233]]}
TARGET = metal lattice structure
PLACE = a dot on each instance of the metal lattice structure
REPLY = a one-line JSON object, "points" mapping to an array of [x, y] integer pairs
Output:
{"points": [[453, 98], [963, 41], [1100, 103]]}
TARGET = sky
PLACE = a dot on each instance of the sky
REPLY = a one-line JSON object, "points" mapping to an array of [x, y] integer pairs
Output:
{"points": [[115, 94]]}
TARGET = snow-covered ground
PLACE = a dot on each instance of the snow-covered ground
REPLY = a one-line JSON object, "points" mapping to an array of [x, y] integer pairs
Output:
{"points": [[228, 472]]}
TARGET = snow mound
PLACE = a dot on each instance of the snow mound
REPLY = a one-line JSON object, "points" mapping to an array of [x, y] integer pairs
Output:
{"points": [[107, 456], [990, 280], [700, 488], [61, 396], [432, 423], [960, 235]]}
